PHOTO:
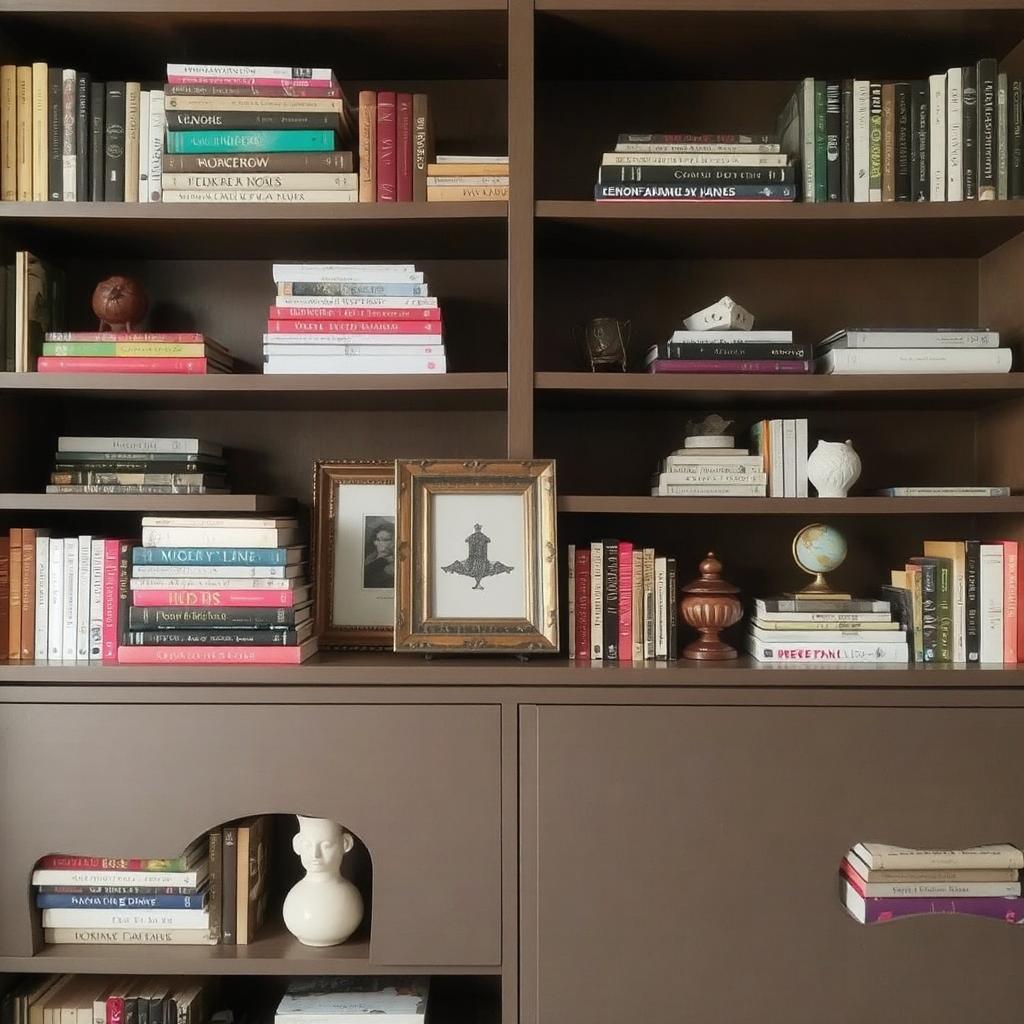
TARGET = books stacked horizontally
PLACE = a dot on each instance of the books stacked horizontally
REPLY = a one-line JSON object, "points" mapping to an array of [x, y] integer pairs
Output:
{"points": [[622, 601], [960, 602], [878, 882], [889, 350], [731, 351], [699, 472], [782, 446], [353, 318], [801, 631], [103, 997], [219, 591], [693, 168], [334, 1000], [396, 143], [952, 136], [137, 465], [121, 352], [252, 134], [467, 179]]}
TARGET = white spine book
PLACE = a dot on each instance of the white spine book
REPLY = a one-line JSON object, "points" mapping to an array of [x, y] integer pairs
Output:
{"points": [[95, 652], [861, 141], [144, 129], [991, 602], [185, 195], [639, 626], [84, 583], [666, 490], [954, 135], [156, 144], [694, 159], [1002, 137], [695, 147], [354, 364], [777, 471], [360, 302], [99, 917], [42, 597], [212, 583], [937, 138], [570, 572], [55, 591], [801, 458], [184, 574], [789, 458], [807, 139], [318, 76], [341, 272], [597, 601], [661, 608], [69, 641], [916, 360], [69, 160]]}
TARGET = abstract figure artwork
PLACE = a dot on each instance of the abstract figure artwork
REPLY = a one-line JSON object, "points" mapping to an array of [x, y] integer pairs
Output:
{"points": [[477, 566]]}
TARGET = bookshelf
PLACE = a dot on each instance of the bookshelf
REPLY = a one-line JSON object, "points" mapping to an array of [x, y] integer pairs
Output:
{"points": [[571, 795]]}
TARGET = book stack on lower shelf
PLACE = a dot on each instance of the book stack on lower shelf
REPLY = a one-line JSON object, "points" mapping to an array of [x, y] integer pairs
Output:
{"points": [[899, 350], [782, 446], [132, 352], [219, 591], [700, 472], [399, 1000], [729, 352], [459, 178], [879, 883]]}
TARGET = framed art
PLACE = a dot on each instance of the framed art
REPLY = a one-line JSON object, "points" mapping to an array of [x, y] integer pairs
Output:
{"points": [[477, 557], [354, 553]]}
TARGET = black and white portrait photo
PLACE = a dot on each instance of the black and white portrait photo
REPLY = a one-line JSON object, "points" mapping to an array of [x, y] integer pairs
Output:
{"points": [[379, 552]]}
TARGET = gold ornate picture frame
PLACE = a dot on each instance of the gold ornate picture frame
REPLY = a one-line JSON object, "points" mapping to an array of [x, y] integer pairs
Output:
{"points": [[477, 557]]}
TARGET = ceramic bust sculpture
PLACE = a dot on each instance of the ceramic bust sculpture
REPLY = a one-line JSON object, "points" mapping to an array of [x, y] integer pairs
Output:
{"points": [[323, 909]]}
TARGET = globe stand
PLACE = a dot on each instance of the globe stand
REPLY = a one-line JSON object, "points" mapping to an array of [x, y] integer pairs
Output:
{"points": [[819, 590]]}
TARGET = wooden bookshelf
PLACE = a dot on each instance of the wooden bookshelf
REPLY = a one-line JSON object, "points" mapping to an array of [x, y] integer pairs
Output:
{"points": [[812, 508]]}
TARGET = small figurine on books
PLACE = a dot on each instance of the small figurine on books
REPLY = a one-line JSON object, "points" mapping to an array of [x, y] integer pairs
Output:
{"points": [[710, 432], [723, 315]]}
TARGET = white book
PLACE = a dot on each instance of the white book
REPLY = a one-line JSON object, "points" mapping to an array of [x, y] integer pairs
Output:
{"points": [[252, 195], [83, 601], [69, 641], [368, 272], [812, 652], [358, 302], [132, 153], [661, 607], [256, 181], [102, 878], [128, 937], [96, 600], [156, 144], [990, 603], [694, 160], [1002, 137], [597, 601], [466, 181], [915, 360], [228, 524], [355, 364], [345, 353], [144, 130], [89, 917], [882, 857], [132, 445], [861, 140], [696, 475], [954, 134], [176, 537], [455, 158], [210, 583], [807, 156], [570, 572], [824, 636], [323, 76], [789, 458], [649, 616], [381, 343], [937, 138], [903, 338], [727, 338], [182, 574], [843, 618], [637, 604], [55, 589], [939, 890], [667, 490], [69, 158], [801, 458], [701, 147], [709, 461], [41, 651], [777, 451]]}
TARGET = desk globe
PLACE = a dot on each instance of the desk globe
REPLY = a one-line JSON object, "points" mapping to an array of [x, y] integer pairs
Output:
{"points": [[818, 549]]}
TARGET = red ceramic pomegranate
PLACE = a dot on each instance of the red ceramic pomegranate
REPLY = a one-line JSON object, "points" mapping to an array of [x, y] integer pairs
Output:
{"points": [[120, 303]]}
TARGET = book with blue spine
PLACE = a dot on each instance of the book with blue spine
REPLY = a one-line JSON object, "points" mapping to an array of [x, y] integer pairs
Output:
{"points": [[112, 901], [217, 556], [284, 141]]}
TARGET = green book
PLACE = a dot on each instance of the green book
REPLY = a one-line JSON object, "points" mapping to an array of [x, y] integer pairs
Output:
{"points": [[875, 144], [285, 141], [820, 144]]}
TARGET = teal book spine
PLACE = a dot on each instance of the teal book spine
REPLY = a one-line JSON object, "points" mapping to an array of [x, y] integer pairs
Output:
{"points": [[820, 150], [179, 143]]}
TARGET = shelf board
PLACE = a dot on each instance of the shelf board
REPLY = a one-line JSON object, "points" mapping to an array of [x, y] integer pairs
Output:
{"points": [[261, 230], [406, 392], [615, 504], [181, 504], [566, 228]]}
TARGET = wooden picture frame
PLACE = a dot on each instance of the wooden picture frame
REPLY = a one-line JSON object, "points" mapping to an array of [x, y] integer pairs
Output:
{"points": [[457, 520], [350, 515]]}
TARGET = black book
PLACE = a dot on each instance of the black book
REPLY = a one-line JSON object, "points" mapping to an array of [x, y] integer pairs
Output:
{"points": [[938, 571], [131, 1010], [633, 174], [97, 124], [846, 142], [222, 618], [672, 630], [242, 120], [833, 141], [929, 607], [1016, 140], [83, 85], [970, 132], [113, 144], [988, 71], [920, 184], [216, 637], [736, 350], [903, 612], [972, 600], [10, 314], [143, 1010], [610, 595], [903, 170], [124, 593], [54, 133]]}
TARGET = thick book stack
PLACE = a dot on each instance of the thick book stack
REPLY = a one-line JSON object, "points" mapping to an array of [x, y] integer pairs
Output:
{"points": [[219, 591], [793, 631], [622, 601], [954, 136], [696, 168], [353, 318], [32, 303], [253, 134], [729, 352], [695, 472], [124, 352], [909, 350], [782, 446], [396, 1000], [878, 882], [467, 179], [960, 602], [396, 144], [137, 465]]}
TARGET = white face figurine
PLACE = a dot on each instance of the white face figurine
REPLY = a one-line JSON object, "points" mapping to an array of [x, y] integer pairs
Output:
{"points": [[321, 845]]}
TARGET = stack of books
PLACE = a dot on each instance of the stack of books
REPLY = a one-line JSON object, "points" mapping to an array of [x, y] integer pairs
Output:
{"points": [[782, 446], [219, 591], [688, 168], [252, 134], [801, 630], [729, 352], [622, 603], [956, 135], [402, 1000], [901, 350], [695, 472], [466, 179], [960, 602], [353, 318], [124, 352], [396, 143], [878, 882], [103, 997]]}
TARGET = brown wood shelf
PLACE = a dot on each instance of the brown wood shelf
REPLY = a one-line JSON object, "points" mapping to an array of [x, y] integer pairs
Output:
{"points": [[615, 504], [181, 504], [245, 7]]}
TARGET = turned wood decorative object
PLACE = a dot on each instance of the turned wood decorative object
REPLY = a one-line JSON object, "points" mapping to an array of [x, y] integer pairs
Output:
{"points": [[709, 605], [120, 303]]}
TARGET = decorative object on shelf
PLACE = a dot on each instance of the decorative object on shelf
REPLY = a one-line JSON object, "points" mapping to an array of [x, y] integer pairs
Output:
{"points": [[709, 605], [605, 341], [120, 303], [322, 909], [354, 553], [710, 432], [723, 315], [818, 549], [477, 561], [833, 467]]}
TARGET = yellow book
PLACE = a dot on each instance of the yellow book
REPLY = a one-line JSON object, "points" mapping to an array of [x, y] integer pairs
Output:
{"points": [[8, 133], [40, 166], [477, 170], [23, 131], [956, 552], [132, 109], [465, 193]]}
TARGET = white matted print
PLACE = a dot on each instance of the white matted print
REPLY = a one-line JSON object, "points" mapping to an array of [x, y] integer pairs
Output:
{"points": [[364, 555], [478, 556]]}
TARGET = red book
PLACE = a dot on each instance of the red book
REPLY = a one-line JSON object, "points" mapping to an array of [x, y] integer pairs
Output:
{"points": [[298, 84], [387, 169], [115, 1009], [1011, 609], [583, 603], [217, 598], [625, 600], [383, 327], [172, 655], [119, 364], [403, 147], [354, 313], [850, 873], [729, 366], [110, 634]]}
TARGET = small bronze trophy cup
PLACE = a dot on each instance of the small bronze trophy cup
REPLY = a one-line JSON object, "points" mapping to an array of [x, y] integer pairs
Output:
{"points": [[604, 339]]}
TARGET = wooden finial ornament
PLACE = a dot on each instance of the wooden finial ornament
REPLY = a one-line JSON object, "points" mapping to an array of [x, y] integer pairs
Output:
{"points": [[709, 605]]}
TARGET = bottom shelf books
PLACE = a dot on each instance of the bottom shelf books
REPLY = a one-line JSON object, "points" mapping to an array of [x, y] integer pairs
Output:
{"points": [[402, 1000]]}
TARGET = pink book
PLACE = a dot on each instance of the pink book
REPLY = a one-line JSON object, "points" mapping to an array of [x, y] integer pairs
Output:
{"points": [[403, 147], [172, 655], [277, 83], [150, 337], [730, 366], [119, 364], [387, 170], [1011, 611], [110, 630], [219, 598], [625, 600], [385, 327], [353, 313]]}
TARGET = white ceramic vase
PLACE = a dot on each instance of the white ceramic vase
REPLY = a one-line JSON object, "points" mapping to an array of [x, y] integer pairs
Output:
{"points": [[833, 467], [323, 909]]}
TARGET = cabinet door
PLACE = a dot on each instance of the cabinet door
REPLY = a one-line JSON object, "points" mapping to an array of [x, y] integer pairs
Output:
{"points": [[418, 784], [680, 864]]}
